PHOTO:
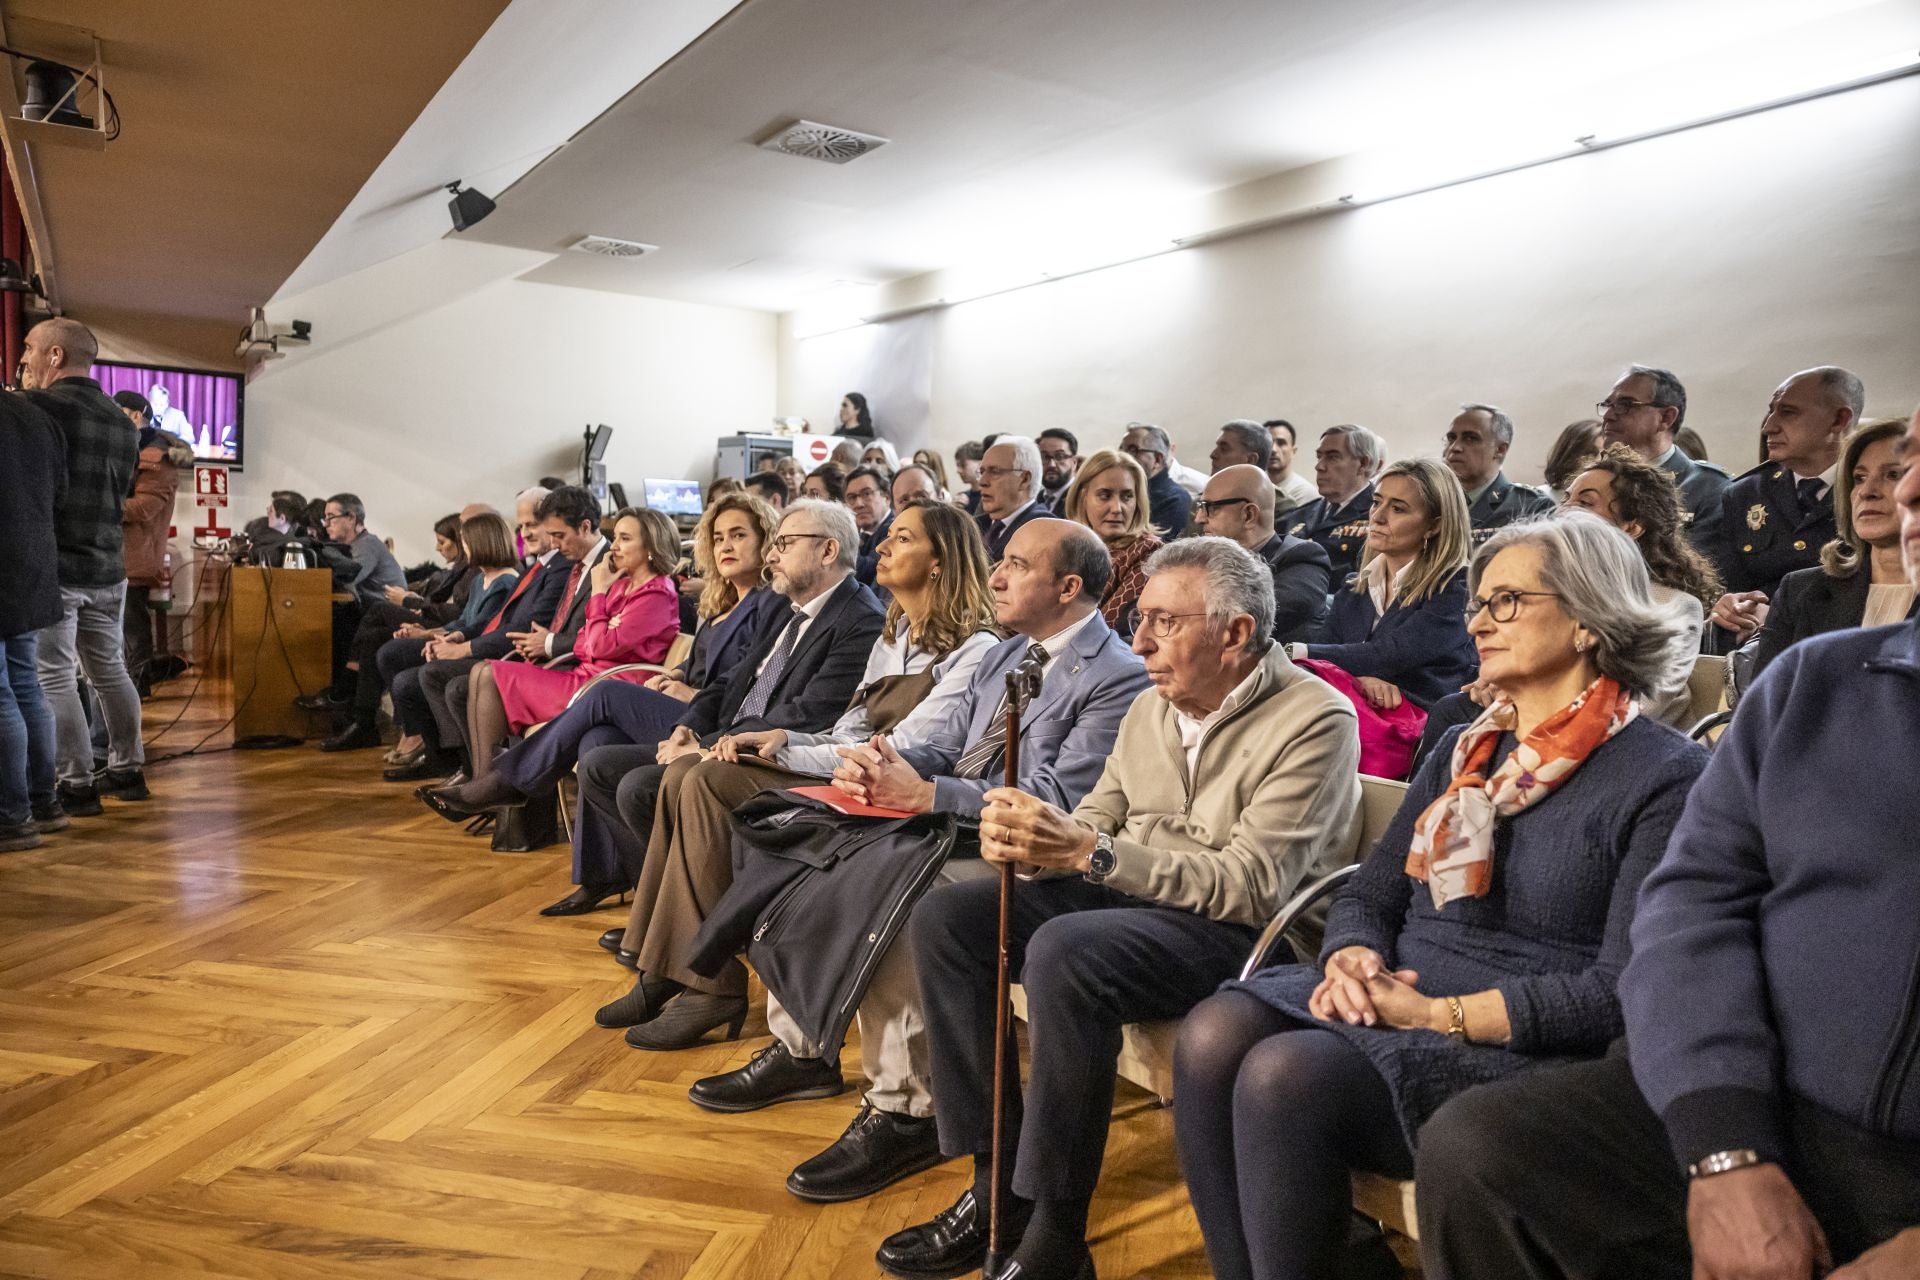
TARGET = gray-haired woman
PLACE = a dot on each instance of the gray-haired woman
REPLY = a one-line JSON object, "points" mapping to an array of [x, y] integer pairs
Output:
{"points": [[1483, 936]]}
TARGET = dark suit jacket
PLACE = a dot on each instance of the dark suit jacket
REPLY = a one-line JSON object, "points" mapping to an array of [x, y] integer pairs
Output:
{"points": [[566, 630], [1809, 603], [1424, 648], [820, 676], [535, 597], [867, 562], [1169, 507], [1503, 503], [1340, 531], [33, 483], [1763, 535], [997, 547], [1302, 577], [1702, 485]]}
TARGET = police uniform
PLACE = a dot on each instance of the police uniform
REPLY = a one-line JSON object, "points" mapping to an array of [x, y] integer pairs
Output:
{"points": [[1503, 503], [1765, 531], [1702, 485], [1341, 532]]}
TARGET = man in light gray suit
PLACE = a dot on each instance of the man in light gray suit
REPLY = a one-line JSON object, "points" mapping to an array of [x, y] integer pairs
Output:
{"points": [[1046, 590]]}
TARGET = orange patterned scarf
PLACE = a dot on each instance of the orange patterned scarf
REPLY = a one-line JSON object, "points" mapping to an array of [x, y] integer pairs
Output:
{"points": [[1453, 840]]}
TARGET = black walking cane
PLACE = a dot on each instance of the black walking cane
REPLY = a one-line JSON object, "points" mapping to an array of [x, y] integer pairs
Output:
{"points": [[1022, 683]]}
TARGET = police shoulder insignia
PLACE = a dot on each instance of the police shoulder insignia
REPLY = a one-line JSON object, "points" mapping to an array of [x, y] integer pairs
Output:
{"points": [[1757, 516]]}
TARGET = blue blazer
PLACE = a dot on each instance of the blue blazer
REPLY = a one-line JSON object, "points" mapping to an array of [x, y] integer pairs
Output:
{"points": [[535, 604], [716, 648], [1423, 649], [1066, 734]]}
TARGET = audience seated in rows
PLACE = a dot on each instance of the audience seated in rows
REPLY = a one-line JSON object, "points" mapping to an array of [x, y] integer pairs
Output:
{"points": [[1760, 1117], [937, 631], [1237, 505], [1108, 496], [732, 544], [1344, 466], [1642, 411], [1231, 783], [1578, 444], [1775, 519], [632, 615], [1484, 934], [1009, 479], [1295, 490], [1059, 464], [915, 485], [870, 498], [825, 483]]}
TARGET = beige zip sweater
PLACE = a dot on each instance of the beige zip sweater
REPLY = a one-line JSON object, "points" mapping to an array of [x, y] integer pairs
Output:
{"points": [[1274, 807]]}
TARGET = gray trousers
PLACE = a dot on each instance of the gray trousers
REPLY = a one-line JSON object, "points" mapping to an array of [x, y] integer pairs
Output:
{"points": [[88, 639]]}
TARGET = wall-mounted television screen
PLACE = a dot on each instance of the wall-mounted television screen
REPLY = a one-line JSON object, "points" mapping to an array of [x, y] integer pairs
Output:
{"points": [[202, 408]]}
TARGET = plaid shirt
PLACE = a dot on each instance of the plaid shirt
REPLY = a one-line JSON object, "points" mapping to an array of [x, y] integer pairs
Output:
{"points": [[103, 449]]}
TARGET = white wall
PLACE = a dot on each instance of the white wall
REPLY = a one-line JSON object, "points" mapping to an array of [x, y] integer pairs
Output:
{"points": [[1735, 254], [433, 382]]}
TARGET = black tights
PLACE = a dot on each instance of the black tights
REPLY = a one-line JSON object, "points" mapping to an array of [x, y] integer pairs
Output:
{"points": [[1271, 1116]]}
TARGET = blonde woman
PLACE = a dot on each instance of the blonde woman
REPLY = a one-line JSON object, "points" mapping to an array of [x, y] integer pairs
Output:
{"points": [[1109, 496], [1401, 629]]}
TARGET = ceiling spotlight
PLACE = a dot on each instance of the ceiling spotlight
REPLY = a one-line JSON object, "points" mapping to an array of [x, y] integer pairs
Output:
{"points": [[467, 207], [51, 95]]}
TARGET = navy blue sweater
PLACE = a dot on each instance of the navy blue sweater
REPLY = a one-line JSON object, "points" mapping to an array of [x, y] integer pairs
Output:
{"points": [[1423, 649], [1776, 950]]}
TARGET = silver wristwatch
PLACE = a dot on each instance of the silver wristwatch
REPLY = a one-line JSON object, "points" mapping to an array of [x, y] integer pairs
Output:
{"points": [[1722, 1162], [1101, 862]]}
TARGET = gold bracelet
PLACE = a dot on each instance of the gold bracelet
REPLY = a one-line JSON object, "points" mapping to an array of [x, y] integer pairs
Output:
{"points": [[1456, 1018]]}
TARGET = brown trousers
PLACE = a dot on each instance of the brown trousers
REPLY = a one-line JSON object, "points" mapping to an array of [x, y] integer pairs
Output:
{"points": [[689, 865]]}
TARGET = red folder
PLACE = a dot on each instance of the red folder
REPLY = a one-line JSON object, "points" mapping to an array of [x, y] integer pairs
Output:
{"points": [[840, 802]]}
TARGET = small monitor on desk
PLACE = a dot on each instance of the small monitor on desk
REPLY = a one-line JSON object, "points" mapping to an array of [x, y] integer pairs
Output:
{"points": [[674, 497]]}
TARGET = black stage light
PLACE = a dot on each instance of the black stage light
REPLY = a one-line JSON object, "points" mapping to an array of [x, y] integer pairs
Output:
{"points": [[467, 207]]}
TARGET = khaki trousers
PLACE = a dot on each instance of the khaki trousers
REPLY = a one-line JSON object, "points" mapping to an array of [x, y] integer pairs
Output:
{"points": [[689, 865]]}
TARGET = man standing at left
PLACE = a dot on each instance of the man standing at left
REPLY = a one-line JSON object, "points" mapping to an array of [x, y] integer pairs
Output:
{"points": [[33, 484], [101, 456]]}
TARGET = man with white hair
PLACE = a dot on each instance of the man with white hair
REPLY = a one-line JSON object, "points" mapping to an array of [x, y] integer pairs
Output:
{"points": [[1009, 483], [1232, 782], [1476, 445], [1776, 517], [1344, 465]]}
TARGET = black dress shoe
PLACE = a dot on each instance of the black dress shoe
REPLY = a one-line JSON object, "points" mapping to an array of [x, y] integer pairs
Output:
{"points": [[122, 784], [1007, 1271], [357, 736], [581, 901], [771, 1075], [878, 1149], [642, 1004], [321, 701], [686, 1019], [954, 1243], [79, 801], [612, 938], [459, 801]]}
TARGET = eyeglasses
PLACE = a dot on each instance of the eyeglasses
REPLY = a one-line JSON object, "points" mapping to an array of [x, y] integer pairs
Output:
{"points": [[1136, 450], [1207, 506], [1504, 606], [337, 515], [785, 541], [1159, 625], [1055, 457], [1622, 404], [994, 473]]}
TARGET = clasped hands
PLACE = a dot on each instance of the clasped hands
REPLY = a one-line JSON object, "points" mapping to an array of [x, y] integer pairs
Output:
{"points": [[444, 650], [872, 772], [1360, 990], [531, 644]]}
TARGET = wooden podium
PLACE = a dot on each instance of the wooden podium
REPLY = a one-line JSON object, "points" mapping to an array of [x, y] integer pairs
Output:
{"points": [[277, 643]]}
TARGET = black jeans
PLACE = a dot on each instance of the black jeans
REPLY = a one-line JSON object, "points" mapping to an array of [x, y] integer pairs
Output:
{"points": [[1566, 1174], [136, 630], [1092, 960], [607, 849]]}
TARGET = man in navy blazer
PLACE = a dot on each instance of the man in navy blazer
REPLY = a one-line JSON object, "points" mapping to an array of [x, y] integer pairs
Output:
{"points": [[1046, 591], [800, 675]]}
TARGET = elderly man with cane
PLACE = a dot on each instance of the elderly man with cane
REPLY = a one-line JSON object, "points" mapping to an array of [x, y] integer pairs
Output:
{"points": [[1231, 786]]}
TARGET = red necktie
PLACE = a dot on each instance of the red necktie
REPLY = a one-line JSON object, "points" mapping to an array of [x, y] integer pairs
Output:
{"points": [[566, 597], [526, 581]]}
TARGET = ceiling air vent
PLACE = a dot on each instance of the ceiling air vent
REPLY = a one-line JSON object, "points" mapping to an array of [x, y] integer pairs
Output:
{"points": [[608, 247], [812, 140]]}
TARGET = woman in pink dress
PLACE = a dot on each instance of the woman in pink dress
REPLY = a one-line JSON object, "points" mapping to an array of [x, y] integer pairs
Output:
{"points": [[633, 616]]}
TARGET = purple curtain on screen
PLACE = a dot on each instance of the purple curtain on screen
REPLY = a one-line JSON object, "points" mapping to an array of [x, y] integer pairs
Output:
{"points": [[201, 408]]}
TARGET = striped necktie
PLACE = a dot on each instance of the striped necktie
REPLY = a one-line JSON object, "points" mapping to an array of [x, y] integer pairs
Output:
{"points": [[978, 758]]}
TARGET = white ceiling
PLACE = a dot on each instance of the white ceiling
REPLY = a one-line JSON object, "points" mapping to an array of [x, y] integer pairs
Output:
{"points": [[1010, 120]]}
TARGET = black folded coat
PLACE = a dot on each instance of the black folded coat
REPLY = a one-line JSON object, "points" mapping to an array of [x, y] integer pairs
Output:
{"points": [[817, 898]]}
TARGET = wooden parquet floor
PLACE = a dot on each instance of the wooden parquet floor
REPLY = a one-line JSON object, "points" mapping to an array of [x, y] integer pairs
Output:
{"points": [[281, 1022]]}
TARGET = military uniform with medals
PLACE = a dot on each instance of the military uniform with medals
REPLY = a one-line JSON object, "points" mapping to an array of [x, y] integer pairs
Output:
{"points": [[1702, 485], [1771, 526], [1341, 531], [1503, 503]]}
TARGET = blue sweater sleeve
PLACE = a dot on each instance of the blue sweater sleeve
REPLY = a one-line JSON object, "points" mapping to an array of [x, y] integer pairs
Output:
{"points": [[1580, 1012], [1704, 1048], [1371, 910]]}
